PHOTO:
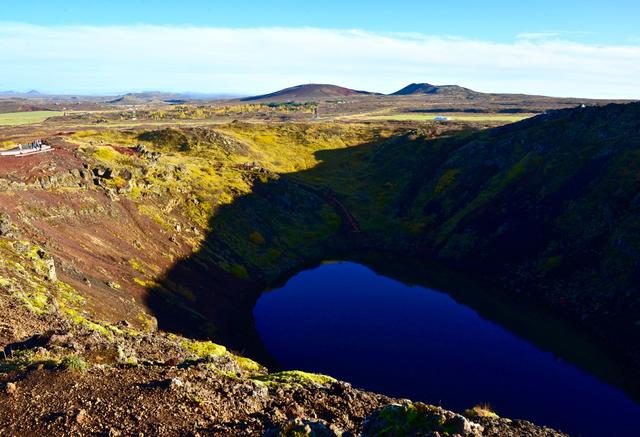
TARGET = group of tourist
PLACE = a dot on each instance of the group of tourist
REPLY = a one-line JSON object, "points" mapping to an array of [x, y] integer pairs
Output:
{"points": [[34, 145]]}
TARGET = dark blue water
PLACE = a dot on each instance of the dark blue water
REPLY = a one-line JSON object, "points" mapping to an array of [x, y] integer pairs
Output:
{"points": [[344, 320]]}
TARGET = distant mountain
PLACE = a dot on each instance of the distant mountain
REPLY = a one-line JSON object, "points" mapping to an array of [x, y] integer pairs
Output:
{"points": [[164, 97], [444, 90], [32, 93], [145, 97], [309, 92]]}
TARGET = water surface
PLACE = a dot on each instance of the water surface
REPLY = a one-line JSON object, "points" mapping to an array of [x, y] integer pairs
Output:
{"points": [[380, 334]]}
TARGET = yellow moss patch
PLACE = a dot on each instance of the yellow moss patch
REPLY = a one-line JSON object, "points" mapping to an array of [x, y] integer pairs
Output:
{"points": [[247, 364], [106, 153], [155, 214], [136, 264], [4, 282], [481, 410], [203, 348], [295, 377], [145, 283]]}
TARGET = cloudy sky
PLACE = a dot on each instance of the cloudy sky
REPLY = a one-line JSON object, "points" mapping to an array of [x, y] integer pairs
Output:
{"points": [[246, 48]]}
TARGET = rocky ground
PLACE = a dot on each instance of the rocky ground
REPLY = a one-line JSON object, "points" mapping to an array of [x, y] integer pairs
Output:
{"points": [[79, 382]]}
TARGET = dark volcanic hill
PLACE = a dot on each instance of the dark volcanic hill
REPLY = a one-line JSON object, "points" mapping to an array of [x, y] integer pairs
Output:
{"points": [[309, 92], [427, 88]]}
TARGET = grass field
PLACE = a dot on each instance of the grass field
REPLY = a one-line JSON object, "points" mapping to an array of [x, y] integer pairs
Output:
{"points": [[19, 118], [509, 118]]}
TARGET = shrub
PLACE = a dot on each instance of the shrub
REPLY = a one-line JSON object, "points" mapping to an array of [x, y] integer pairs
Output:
{"points": [[74, 363]]}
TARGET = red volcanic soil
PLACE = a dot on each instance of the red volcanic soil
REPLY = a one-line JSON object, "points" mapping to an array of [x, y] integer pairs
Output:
{"points": [[92, 238], [309, 92], [28, 168]]}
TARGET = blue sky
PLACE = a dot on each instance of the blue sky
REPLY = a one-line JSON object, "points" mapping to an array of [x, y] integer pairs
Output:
{"points": [[494, 20], [585, 48]]}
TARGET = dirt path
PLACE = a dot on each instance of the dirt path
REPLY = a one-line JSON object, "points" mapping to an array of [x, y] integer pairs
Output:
{"points": [[329, 196]]}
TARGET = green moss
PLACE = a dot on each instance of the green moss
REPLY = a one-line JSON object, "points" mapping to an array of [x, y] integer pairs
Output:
{"points": [[130, 362], [137, 265], [149, 323], [247, 364], [446, 180], [203, 349], [155, 214], [411, 419], [521, 167], [4, 282], [239, 271], [76, 317], [24, 359], [119, 182], [295, 377], [146, 268], [74, 363], [107, 154], [36, 302], [167, 139], [143, 282]]}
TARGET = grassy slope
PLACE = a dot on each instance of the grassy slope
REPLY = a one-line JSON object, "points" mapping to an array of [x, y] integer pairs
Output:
{"points": [[549, 205], [19, 118], [198, 179]]}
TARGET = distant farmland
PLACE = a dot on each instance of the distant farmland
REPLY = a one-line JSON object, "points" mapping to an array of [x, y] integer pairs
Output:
{"points": [[19, 118]]}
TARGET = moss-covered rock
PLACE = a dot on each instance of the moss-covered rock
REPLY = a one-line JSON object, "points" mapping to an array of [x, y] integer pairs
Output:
{"points": [[418, 420], [295, 377]]}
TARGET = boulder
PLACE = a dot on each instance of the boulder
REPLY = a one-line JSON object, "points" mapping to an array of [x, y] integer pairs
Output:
{"points": [[51, 269], [6, 227], [419, 419], [48, 266], [11, 388], [125, 174], [103, 172]]}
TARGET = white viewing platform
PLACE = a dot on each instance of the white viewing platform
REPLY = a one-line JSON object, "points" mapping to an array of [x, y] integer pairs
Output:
{"points": [[27, 151]]}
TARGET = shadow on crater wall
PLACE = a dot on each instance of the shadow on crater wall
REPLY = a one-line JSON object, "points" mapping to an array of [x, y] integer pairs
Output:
{"points": [[402, 193], [284, 224]]}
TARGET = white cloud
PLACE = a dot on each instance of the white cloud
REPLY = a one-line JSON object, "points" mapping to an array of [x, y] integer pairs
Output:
{"points": [[550, 34], [109, 59]]}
